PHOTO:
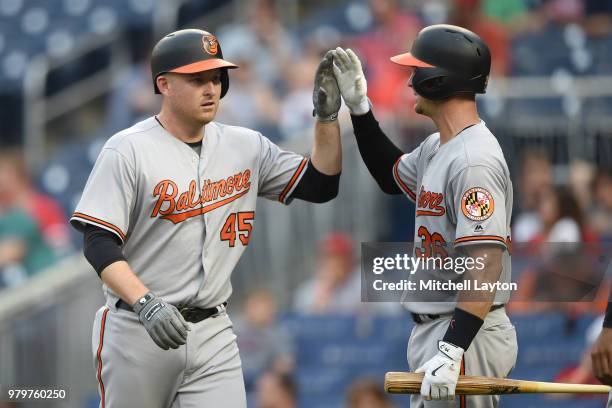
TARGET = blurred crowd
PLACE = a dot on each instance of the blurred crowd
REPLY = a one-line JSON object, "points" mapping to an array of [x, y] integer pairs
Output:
{"points": [[267, 348], [567, 227], [33, 226], [575, 211], [272, 90]]}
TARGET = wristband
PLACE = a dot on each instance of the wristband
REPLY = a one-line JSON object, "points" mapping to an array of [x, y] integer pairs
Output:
{"points": [[361, 109], [326, 119], [140, 303], [462, 328], [450, 350]]}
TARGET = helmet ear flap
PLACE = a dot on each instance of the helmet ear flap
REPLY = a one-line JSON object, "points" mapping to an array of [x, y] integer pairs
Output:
{"points": [[431, 83], [224, 81], [439, 83]]}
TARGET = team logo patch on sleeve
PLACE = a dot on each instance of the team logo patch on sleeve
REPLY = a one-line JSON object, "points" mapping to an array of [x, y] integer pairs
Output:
{"points": [[477, 204]]}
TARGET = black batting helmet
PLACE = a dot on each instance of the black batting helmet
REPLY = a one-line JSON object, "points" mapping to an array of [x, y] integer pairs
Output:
{"points": [[189, 51], [447, 60]]}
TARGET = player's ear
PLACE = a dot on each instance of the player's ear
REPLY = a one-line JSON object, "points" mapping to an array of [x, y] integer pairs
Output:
{"points": [[162, 84]]}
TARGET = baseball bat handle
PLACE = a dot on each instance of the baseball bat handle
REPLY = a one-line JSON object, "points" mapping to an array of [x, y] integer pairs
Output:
{"points": [[410, 383]]}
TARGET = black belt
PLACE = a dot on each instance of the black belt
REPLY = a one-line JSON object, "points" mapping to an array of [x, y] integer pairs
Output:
{"points": [[189, 313], [423, 318]]}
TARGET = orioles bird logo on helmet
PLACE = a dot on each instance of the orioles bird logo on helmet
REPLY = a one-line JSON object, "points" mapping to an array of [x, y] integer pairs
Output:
{"points": [[210, 44]]}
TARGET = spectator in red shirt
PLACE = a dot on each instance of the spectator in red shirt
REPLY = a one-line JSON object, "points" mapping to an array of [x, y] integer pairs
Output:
{"points": [[467, 13], [17, 191], [335, 287], [393, 31]]}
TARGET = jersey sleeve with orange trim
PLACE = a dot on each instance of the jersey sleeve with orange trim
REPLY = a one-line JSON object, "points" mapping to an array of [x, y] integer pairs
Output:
{"points": [[405, 172], [108, 196], [279, 171], [479, 196]]}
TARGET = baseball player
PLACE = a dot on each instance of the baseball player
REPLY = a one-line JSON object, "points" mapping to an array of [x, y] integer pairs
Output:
{"points": [[168, 210], [459, 181]]}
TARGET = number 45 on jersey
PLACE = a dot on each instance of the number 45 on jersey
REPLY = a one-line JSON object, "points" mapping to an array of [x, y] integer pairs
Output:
{"points": [[241, 224]]}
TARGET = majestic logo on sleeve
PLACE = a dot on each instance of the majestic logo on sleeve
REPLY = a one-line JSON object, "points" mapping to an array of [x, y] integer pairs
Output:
{"points": [[429, 204], [477, 204], [214, 194]]}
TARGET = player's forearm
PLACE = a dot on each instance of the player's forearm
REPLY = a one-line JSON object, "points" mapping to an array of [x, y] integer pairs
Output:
{"points": [[120, 278], [377, 151], [103, 251], [601, 356], [478, 302], [473, 306], [327, 149], [608, 317]]}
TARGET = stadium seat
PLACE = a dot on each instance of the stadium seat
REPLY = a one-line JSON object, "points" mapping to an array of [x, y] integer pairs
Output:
{"points": [[548, 401], [598, 107], [321, 328], [331, 355], [103, 20], [319, 380], [346, 19], [59, 42], [528, 58], [602, 49], [11, 8], [535, 108], [73, 8], [396, 328], [134, 12], [320, 401]]}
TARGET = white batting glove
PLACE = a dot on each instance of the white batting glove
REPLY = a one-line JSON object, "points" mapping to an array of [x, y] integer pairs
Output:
{"points": [[351, 81], [441, 372]]}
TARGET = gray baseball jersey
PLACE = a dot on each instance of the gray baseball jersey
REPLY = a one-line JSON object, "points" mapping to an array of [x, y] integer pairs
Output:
{"points": [[463, 195], [185, 219]]}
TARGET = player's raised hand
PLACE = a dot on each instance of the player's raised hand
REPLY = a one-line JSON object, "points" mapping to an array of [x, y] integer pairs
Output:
{"points": [[162, 321], [441, 373], [351, 80], [326, 95]]}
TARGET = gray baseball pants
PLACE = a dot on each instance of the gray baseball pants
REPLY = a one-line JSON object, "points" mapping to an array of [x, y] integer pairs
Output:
{"points": [[492, 353], [132, 371]]}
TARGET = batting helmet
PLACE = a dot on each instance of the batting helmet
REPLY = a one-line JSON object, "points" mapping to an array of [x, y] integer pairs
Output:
{"points": [[189, 51], [447, 60]]}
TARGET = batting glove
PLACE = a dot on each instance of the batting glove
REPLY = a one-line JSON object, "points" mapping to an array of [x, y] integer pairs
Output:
{"points": [[326, 95], [441, 372], [162, 321], [351, 80]]}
